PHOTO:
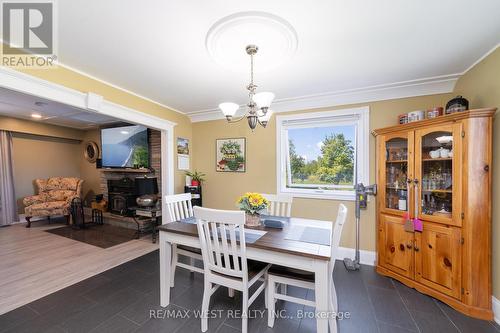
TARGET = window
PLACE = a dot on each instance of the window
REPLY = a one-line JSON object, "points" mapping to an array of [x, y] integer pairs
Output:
{"points": [[319, 153]]}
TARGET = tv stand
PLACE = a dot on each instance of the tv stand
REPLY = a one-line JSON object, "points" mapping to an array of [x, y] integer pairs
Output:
{"points": [[132, 170]]}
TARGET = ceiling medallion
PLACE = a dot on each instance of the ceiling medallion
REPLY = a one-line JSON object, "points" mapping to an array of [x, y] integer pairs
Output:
{"points": [[276, 38]]}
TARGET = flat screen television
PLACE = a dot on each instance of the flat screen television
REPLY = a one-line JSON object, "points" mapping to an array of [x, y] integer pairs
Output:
{"points": [[125, 147]]}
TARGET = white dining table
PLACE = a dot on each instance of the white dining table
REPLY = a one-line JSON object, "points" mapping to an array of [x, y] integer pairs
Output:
{"points": [[273, 247]]}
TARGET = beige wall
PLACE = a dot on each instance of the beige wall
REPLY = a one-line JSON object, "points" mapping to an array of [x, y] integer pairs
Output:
{"points": [[71, 79], [88, 171], [37, 128], [42, 157], [222, 189], [43, 151], [481, 86]]}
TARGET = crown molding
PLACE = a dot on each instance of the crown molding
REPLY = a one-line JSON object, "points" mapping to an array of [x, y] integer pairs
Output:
{"points": [[493, 49], [421, 87], [60, 64]]}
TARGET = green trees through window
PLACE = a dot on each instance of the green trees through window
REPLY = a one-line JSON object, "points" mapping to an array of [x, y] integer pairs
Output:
{"points": [[332, 164]]}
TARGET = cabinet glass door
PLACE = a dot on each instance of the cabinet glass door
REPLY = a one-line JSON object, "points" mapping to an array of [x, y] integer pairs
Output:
{"points": [[437, 173], [396, 169]]}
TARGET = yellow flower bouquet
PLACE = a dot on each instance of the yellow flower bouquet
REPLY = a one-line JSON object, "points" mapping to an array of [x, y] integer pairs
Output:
{"points": [[253, 204]]}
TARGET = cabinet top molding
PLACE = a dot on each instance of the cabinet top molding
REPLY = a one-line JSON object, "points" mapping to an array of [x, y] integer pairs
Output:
{"points": [[475, 113]]}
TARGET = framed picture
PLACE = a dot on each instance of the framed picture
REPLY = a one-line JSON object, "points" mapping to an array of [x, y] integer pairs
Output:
{"points": [[231, 155], [182, 154], [182, 146]]}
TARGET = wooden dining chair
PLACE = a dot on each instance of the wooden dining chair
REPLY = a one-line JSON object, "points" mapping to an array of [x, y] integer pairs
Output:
{"points": [[179, 207], [223, 246], [279, 205], [279, 275]]}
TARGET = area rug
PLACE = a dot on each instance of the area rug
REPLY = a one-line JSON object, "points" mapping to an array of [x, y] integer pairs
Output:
{"points": [[103, 236]]}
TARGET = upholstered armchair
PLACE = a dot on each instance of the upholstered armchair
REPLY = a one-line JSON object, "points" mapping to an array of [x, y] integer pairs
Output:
{"points": [[53, 198]]}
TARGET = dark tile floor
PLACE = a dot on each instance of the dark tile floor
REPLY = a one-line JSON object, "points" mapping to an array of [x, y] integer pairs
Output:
{"points": [[103, 236], [124, 298]]}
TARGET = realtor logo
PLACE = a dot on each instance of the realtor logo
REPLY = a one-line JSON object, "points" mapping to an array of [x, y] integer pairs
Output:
{"points": [[28, 32]]}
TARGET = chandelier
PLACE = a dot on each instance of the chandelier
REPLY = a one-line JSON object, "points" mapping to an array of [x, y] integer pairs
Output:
{"points": [[258, 111]]}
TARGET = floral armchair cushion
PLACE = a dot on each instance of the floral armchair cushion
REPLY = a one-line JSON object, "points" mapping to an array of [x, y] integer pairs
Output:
{"points": [[54, 196]]}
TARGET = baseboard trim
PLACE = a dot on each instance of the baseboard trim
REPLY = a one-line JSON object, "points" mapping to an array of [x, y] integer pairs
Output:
{"points": [[366, 257], [496, 309]]}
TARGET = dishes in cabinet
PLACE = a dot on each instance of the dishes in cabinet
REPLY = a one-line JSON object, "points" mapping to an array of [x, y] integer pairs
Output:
{"points": [[442, 213], [435, 153], [444, 139], [444, 152]]}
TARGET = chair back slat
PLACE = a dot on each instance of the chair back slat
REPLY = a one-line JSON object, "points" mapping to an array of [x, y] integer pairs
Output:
{"points": [[221, 249], [279, 205], [234, 249], [225, 248], [178, 207], [215, 237]]}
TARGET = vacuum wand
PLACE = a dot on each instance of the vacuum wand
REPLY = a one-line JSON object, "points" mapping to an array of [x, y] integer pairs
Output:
{"points": [[361, 193]]}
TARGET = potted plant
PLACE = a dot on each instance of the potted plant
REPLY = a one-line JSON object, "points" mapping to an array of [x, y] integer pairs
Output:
{"points": [[196, 177], [253, 204]]}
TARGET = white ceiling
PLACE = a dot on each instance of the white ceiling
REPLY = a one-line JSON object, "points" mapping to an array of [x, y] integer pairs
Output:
{"points": [[18, 105], [156, 48]]}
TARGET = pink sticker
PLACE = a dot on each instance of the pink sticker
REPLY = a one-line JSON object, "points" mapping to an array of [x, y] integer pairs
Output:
{"points": [[417, 224]]}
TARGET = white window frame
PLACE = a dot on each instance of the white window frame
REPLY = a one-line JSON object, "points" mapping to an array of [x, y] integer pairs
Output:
{"points": [[360, 117]]}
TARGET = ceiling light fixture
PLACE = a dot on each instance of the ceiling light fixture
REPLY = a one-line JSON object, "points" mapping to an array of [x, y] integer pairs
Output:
{"points": [[36, 116], [258, 107]]}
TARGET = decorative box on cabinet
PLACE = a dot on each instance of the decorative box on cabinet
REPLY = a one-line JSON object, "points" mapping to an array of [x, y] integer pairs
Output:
{"points": [[438, 171]]}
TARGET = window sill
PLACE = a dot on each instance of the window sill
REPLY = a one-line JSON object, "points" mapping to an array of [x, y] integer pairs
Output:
{"points": [[321, 196]]}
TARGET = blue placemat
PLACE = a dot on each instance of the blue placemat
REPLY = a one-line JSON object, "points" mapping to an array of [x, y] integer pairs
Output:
{"points": [[191, 220], [251, 236], [309, 235]]}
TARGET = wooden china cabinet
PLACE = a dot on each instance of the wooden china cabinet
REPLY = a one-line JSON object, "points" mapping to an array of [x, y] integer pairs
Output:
{"points": [[439, 172]]}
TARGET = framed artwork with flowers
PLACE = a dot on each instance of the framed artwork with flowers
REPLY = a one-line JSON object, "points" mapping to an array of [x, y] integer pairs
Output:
{"points": [[231, 155]]}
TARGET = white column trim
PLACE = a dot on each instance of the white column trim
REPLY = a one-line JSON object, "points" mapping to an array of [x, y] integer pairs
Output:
{"points": [[89, 101]]}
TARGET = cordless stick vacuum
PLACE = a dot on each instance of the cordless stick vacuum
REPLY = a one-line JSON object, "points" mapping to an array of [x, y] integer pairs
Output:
{"points": [[361, 193]]}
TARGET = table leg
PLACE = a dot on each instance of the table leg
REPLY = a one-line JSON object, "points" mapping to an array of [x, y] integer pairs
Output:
{"points": [[165, 262], [138, 227], [321, 294], [155, 232]]}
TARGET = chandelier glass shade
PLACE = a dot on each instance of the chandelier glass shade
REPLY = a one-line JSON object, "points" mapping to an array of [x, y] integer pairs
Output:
{"points": [[258, 111]]}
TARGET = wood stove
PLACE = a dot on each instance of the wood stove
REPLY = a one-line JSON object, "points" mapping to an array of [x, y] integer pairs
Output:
{"points": [[121, 195]]}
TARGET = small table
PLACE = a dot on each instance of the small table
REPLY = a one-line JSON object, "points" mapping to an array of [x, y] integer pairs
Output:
{"points": [[147, 218]]}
